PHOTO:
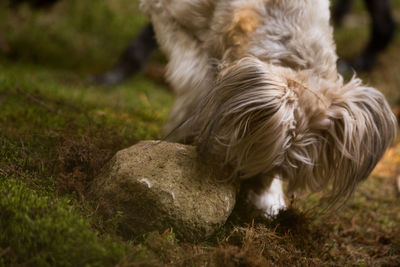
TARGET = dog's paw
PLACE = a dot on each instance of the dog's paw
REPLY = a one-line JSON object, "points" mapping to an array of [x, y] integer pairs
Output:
{"points": [[271, 201]]}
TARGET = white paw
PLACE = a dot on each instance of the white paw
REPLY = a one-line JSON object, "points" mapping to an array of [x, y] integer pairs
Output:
{"points": [[270, 201]]}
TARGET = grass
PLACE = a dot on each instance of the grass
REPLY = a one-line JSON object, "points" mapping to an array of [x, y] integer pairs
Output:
{"points": [[33, 221], [57, 131]]}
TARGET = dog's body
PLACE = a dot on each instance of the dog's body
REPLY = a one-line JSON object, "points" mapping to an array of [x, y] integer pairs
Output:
{"points": [[383, 28], [257, 88]]}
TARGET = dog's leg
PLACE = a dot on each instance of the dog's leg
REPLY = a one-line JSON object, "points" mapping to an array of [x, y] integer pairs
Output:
{"points": [[383, 30], [131, 60], [340, 10], [271, 200], [188, 71], [382, 33], [188, 62]]}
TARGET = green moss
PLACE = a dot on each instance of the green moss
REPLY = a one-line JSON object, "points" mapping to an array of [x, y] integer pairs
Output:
{"points": [[71, 28], [42, 231]]}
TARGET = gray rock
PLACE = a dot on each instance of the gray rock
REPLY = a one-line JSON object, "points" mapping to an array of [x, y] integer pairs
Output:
{"points": [[159, 185]]}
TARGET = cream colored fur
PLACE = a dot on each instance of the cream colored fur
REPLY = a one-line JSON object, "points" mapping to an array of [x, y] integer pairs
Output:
{"points": [[257, 87]]}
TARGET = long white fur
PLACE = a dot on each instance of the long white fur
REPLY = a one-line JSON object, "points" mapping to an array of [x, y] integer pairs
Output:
{"points": [[257, 87], [271, 201]]}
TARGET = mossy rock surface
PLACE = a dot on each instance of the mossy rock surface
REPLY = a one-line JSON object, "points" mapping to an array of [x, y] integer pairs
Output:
{"points": [[159, 185]]}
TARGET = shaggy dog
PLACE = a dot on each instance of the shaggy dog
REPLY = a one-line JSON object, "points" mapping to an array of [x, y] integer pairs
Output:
{"points": [[257, 89]]}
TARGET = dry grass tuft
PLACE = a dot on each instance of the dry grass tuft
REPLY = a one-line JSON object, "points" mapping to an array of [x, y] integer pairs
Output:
{"points": [[81, 157], [292, 221], [244, 247]]}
